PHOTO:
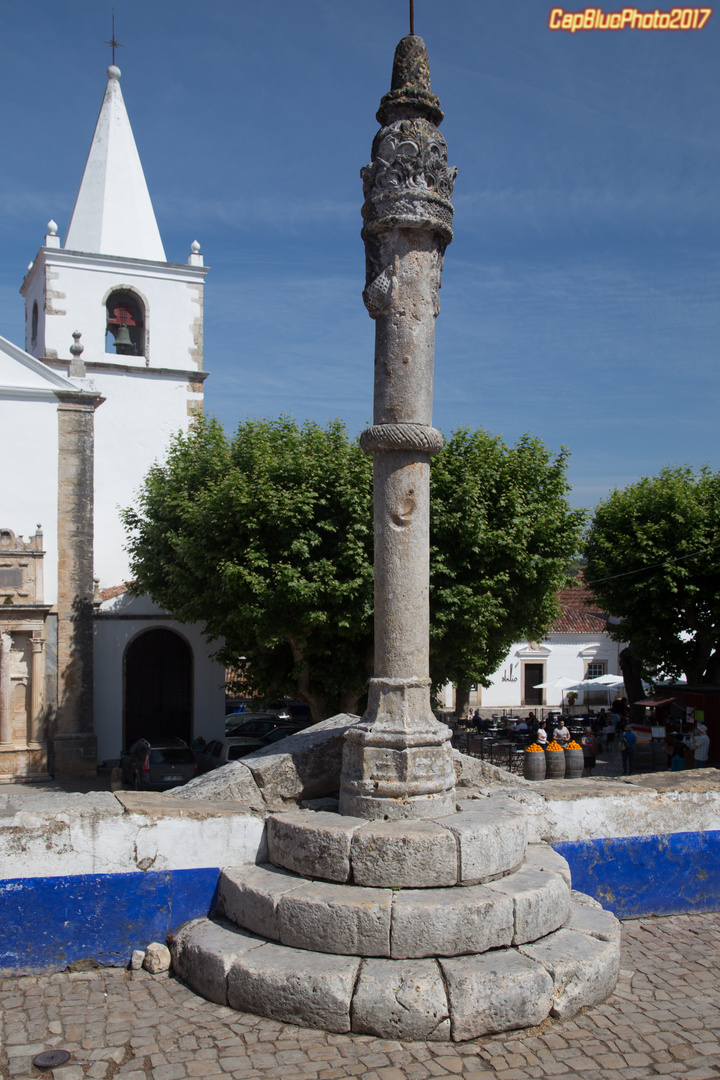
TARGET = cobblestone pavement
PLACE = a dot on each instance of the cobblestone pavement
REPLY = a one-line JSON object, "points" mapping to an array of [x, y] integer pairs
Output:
{"points": [[663, 1020]]}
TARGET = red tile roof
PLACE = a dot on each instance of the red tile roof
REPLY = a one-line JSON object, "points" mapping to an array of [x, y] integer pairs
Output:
{"points": [[113, 591], [580, 612]]}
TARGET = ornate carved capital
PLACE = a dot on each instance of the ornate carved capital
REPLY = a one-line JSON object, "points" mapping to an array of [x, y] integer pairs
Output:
{"points": [[382, 437], [408, 182]]}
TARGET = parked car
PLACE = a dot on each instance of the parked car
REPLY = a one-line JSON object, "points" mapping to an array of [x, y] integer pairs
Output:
{"points": [[259, 724], [221, 751], [158, 765], [253, 724]]}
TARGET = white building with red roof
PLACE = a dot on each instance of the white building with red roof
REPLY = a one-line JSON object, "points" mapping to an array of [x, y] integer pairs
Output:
{"points": [[577, 647]]}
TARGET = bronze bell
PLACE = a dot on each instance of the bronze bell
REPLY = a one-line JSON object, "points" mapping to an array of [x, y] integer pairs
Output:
{"points": [[123, 341]]}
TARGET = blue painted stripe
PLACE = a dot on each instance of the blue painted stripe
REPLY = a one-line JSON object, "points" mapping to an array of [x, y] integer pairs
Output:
{"points": [[47, 923], [633, 876]]}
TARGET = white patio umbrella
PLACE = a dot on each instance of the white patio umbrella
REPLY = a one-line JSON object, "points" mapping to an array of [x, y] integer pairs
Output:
{"points": [[563, 683], [600, 682]]}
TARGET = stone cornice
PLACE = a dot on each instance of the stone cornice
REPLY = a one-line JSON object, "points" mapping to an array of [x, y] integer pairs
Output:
{"points": [[111, 264], [78, 399], [132, 369]]}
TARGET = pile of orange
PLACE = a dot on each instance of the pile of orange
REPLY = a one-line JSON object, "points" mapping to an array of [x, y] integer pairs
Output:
{"points": [[554, 746], [573, 746], [534, 749]]}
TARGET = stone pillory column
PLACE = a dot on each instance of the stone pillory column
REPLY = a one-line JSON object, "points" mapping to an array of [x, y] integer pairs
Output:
{"points": [[398, 762]]}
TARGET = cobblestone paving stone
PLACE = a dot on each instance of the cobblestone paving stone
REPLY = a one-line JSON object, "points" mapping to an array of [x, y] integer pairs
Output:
{"points": [[663, 1020]]}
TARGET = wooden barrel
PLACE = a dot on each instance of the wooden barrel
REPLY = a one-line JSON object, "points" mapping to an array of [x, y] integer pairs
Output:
{"points": [[554, 764], [534, 765], [574, 762]]}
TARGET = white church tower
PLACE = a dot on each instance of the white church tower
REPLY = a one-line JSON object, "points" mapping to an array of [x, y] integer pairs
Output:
{"points": [[140, 317]]}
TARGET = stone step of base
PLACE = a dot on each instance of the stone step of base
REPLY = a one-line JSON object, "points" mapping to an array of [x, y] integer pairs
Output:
{"points": [[460, 998], [467, 848], [399, 924]]}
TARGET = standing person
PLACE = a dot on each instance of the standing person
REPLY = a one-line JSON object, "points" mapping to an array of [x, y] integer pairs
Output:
{"points": [[541, 736], [561, 734], [668, 747], [590, 750], [628, 738], [702, 747], [678, 759]]}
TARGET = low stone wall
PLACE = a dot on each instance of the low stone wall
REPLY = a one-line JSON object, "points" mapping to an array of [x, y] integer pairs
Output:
{"points": [[103, 874], [99, 875]]}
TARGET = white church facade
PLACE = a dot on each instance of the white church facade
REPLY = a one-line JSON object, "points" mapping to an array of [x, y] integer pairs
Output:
{"points": [[112, 368]]}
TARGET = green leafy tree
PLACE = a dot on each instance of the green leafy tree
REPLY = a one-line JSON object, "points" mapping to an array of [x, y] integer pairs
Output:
{"points": [[267, 539], [502, 535], [653, 561]]}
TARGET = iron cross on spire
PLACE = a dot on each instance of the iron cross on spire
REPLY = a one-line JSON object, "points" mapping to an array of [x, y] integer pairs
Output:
{"points": [[116, 44]]}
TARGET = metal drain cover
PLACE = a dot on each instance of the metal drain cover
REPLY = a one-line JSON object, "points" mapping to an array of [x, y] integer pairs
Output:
{"points": [[50, 1059]]}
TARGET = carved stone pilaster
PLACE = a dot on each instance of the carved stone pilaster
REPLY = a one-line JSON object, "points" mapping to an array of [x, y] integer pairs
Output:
{"points": [[6, 719], [37, 681], [75, 743]]}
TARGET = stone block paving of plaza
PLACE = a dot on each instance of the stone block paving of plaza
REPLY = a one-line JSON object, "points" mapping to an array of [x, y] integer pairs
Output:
{"points": [[663, 1020]]}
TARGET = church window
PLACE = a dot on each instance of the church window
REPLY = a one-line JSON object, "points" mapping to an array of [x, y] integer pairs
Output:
{"points": [[34, 322], [125, 324]]}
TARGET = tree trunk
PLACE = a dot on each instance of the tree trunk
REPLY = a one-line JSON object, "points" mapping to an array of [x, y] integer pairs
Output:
{"points": [[316, 703], [462, 697], [631, 668]]}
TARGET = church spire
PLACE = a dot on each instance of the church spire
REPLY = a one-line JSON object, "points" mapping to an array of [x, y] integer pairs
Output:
{"points": [[113, 214]]}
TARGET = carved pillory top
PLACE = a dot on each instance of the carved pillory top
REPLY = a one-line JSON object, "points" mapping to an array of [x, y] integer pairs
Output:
{"points": [[408, 183]]}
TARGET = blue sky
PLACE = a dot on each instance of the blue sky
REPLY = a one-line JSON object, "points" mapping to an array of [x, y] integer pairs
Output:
{"points": [[580, 295]]}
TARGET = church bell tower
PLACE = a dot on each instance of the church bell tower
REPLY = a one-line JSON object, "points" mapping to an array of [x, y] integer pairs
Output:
{"points": [[140, 317]]}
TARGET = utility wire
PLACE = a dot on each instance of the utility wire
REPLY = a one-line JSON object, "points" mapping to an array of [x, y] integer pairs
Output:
{"points": [[653, 566]]}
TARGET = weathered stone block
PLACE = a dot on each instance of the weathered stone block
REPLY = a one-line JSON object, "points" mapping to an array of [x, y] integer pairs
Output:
{"points": [[136, 960], [248, 896], [400, 999], [304, 766], [584, 969], [203, 953], [495, 992], [157, 958], [541, 899], [404, 854], [314, 844], [297, 987], [594, 921], [449, 922], [543, 857], [342, 919], [490, 842], [583, 899], [232, 783]]}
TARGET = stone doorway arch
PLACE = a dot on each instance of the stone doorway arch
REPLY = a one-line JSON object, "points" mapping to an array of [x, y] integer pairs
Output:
{"points": [[158, 687]]}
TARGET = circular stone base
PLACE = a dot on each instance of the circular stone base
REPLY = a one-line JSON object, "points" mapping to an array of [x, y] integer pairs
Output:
{"points": [[460, 997], [466, 848], [401, 924]]}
